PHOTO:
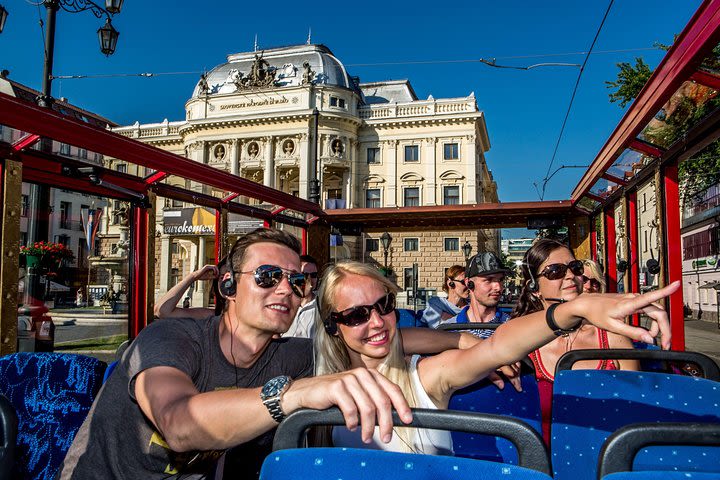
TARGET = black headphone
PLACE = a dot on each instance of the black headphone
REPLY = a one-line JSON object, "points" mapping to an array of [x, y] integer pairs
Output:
{"points": [[470, 285], [451, 284], [532, 284], [227, 286]]}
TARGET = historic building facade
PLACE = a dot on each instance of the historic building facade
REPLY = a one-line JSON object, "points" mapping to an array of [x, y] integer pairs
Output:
{"points": [[267, 116]]}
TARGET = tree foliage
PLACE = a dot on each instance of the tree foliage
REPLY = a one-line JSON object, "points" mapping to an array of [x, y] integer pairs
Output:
{"points": [[630, 80]]}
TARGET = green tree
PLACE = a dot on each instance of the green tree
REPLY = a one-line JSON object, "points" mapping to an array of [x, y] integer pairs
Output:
{"points": [[630, 80]]}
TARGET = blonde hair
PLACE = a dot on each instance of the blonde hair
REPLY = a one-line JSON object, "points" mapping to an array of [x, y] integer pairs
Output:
{"points": [[594, 272], [331, 355]]}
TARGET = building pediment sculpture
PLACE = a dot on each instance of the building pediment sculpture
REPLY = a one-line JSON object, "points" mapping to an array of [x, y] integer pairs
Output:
{"points": [[337, 148], [253, 149], [288, 148], [261, 75], [308, 74]]}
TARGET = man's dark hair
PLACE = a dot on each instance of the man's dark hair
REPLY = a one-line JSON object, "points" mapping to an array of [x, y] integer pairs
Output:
{"points": [[261, 235], [308, 259]]}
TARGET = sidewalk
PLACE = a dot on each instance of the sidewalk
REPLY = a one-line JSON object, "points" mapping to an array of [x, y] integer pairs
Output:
{"points": [[703, 337]]}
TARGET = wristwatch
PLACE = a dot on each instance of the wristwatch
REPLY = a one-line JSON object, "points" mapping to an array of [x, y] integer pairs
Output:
{"points": [[271, 393]]}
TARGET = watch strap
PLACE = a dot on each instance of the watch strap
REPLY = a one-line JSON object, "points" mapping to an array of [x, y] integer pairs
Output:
{"points": [[550, 320]]}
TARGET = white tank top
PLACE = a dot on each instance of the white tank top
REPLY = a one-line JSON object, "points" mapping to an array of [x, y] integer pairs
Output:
{"points": [[431, 442]]}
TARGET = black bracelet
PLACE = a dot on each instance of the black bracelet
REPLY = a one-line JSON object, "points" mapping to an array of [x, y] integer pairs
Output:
{"points": [[550, 319]]}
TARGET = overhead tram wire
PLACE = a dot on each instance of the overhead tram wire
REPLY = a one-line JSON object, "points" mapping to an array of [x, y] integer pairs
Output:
{"points": [[572, 99], [490, 63]]}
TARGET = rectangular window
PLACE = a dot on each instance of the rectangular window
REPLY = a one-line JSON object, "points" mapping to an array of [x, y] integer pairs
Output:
{"points": [[645, 241], [701, 244], [24, 205], [174, 276], [372, 198], [411, 197], [121, 167], [65, 212], [62, 239], [337, 102], [452, 244], [451, 195], [373, 155], [411, 244], [334, 193], [644, 207], [81, 253], [372, 245], [175, 248], [177, 203], [82, 153], [450, 151], [412, 153], [64, 149], [23, 238]]}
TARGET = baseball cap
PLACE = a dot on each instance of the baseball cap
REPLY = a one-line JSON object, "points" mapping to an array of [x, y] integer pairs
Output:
{"points": [[486, 263]]}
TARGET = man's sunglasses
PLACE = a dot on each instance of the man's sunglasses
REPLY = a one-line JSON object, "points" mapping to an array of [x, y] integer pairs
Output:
{"points": [[556, 271], [354, 316], [268, 276]]}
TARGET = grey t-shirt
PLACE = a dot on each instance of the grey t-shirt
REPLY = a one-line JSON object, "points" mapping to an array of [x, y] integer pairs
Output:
{"points": [[118, 441]]}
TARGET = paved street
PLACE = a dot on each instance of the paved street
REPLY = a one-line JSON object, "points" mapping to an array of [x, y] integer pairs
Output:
{"points": [[703, 337], [67, 333]]}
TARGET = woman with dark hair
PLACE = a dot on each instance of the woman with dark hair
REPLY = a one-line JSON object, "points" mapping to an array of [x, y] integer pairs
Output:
{"points": [[553, 276]]}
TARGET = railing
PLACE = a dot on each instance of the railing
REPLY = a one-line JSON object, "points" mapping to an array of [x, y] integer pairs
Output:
{"points": [[710, 199], [150, 130], [75, 225], [416, 109]]}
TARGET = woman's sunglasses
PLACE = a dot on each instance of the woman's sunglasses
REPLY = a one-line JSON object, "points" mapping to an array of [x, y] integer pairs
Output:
{"points": [[592, 281], [556, 271], [268, 276], [352, 317]]}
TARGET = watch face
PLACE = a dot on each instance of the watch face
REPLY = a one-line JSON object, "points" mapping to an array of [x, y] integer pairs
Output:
{"points": [[274, 386]]}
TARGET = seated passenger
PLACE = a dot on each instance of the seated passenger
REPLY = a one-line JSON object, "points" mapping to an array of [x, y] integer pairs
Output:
{"points": [[166, 306], [358, 330], [552, 276], [439, 308], [484, 279], [304, 323], [186, 390], [593, 278]]}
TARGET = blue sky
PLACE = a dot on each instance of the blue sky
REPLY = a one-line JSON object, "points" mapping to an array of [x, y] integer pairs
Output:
{"points": [[524, 109]]}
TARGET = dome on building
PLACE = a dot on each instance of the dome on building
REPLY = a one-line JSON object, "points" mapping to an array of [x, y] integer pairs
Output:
{"points": [[290, 66]]}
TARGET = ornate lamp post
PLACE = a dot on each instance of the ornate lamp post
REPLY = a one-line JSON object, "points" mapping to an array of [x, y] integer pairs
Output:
{"points": [[107, 35], [467, 249], [3, 17], [385, 240]]}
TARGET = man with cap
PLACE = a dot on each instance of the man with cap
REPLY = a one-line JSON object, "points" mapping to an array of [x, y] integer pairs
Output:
{"points": [[484, 278]]}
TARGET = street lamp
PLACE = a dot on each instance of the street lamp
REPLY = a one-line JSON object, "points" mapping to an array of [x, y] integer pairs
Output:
{"points": [[467, 249], [107, 34], [108, 38], [3, 17], [385, 240]]}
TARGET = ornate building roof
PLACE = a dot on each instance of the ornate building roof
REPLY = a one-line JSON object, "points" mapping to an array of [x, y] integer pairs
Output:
{"points": [[276, 67]]}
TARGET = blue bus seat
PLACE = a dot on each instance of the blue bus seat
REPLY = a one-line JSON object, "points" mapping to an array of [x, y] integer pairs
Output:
{"points": [[345, 462], [619, 453], [111, 366], [52, 394], [589, 405], [485, 397], [409, 318], [363, 464]]}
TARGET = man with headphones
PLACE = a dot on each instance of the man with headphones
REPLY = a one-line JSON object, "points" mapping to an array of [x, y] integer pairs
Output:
{"points": [[484, 278], [188, 390]]}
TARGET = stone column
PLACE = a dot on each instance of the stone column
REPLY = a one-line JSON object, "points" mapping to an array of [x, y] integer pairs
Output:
{"points": [[198, 296], [165, 263], [269, 172], [236, 147], [352, 174], [431, 194], [390, 156], [304, 181], [468, 160]]}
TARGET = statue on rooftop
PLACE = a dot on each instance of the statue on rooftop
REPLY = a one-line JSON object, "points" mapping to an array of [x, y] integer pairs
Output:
{"points": [[308, 74]]}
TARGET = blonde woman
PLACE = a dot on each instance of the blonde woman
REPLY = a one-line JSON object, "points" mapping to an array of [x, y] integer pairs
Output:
{"points": [[593, 279], [358, 329]]}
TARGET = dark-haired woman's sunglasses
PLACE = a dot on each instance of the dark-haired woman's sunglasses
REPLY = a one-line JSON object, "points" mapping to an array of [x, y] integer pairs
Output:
{"points": [[268, 276], [354, 316], [556, 271]]}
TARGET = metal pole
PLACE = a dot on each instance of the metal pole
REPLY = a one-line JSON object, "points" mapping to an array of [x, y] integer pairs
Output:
{"points": [[314, 182], [51, 6]]}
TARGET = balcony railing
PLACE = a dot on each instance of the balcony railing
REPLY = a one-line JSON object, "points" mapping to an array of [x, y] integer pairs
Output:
{"points": [[418, 109], [150, 130], [75, 225]]}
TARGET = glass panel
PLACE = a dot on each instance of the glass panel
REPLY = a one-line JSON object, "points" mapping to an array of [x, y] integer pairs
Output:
{"points": [[74, 261]]}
